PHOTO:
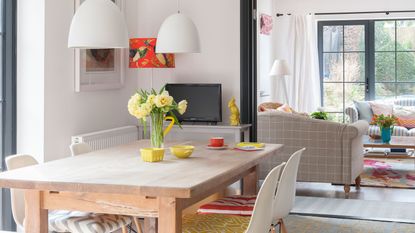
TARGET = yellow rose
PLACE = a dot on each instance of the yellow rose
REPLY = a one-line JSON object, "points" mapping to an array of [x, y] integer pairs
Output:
{"points": [[182, 106], [163, 100]]}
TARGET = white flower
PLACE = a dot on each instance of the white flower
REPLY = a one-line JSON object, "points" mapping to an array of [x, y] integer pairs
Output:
{"points": [[150, 99], [182, 107], [133, 105]]}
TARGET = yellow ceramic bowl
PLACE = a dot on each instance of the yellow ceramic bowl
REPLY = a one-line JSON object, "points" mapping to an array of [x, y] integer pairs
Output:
{"points": [[152, 154], [182, 151]]}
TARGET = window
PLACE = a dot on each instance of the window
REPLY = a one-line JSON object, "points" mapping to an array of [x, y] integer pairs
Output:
{"points": [[365, 60], [7, 98]]}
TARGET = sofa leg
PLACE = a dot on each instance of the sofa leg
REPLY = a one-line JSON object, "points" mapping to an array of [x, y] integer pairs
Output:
{"points": [[347, 189], [358, 181]]}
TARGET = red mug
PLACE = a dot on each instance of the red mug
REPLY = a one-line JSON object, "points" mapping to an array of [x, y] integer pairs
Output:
{"points": [[217, 142]]}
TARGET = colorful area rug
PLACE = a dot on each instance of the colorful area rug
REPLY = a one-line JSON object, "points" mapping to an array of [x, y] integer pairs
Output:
{"points": [[305, 224], [393, 173]]}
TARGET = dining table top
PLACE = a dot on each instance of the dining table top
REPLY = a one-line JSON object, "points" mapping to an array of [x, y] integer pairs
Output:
{"points": [[120, 170]]}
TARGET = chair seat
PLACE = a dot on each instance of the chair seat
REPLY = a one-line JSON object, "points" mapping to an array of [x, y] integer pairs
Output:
{"points": [[82, 222], [234, 205], [214, 223]]}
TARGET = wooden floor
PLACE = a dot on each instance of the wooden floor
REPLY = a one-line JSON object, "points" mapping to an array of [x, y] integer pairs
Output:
{"points": [[365, 193]]}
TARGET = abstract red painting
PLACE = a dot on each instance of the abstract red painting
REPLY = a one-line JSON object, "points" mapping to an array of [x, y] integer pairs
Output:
{"points": [[265, 24], [143, 54]]}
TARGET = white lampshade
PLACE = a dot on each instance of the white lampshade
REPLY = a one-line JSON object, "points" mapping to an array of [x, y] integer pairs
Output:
{"points": [[98, 24], [280, 68], [178, 34]]}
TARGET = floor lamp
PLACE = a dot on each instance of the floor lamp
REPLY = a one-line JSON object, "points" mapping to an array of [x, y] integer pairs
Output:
{"points": [[280, 70]]}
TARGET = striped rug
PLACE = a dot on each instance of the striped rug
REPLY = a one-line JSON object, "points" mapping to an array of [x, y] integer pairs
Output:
{"points": [[403, 212]]}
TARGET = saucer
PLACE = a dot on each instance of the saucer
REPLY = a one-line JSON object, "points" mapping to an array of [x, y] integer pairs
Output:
{"points": [[210, 147]]}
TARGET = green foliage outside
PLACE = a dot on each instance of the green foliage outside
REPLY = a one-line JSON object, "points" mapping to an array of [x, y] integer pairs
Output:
{"points": [[353, 62]]}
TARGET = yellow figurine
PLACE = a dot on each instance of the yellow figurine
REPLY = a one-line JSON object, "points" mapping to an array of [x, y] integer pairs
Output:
{"points": [[234, 117]]}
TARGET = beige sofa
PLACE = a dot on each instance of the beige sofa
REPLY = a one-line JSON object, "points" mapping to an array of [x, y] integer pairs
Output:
{"points": [[334, 151]]}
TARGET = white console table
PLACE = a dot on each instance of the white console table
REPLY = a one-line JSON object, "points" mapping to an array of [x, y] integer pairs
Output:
{"points": [[232, 134]]}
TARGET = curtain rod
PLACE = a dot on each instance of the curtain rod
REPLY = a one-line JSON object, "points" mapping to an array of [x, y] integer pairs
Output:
{"points": [[356, 13]]}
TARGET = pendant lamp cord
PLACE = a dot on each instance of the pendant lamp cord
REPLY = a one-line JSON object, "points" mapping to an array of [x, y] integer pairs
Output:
{"points": [[178, 6]]}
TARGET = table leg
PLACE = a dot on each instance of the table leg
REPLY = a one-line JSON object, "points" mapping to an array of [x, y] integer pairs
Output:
{"points": [[36, 218], [170, 216], [150, 225], [249, 182]]}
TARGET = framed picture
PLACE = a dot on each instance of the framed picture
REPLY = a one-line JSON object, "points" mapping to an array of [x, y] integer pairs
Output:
{"points": [[99, 69]]}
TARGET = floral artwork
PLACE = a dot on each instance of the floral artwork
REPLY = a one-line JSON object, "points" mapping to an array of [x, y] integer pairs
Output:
{"points": [[99, 60], [265, 24], [143, 54]]}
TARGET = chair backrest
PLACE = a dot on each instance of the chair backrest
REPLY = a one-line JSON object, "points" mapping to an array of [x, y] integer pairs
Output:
{"points": [[17, 195], [262, 218], [80, 148], [285, 196]]}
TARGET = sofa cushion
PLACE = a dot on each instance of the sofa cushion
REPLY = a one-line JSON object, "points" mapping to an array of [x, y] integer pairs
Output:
{"points": [[379, 108], [411, 132], [397, 130], [364, 109]]}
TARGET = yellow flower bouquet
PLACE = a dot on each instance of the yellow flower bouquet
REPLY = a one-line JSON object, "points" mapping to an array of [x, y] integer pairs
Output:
{"points": [[156, 105]]}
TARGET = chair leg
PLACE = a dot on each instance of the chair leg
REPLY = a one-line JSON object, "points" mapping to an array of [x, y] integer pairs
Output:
{"points": [[358, 181], [137, 225], [283, 229], [124, 229], [347, 189]]}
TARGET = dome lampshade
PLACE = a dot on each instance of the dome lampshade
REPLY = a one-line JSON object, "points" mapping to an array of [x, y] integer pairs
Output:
{"points": [[178, 34], [98, 24]]}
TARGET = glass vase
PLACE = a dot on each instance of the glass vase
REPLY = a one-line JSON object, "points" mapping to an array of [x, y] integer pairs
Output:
{"points": [[386, 134], [157, 135]]}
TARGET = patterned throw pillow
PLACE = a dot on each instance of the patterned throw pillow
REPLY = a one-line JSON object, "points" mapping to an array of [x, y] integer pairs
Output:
{"points": [[405, 115], [285, 108], [407, 123]]}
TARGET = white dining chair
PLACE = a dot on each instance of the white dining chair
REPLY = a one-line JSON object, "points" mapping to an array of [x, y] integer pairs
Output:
{"points": [[285, 196], [62, 221], [79, 148], [259, 222]]}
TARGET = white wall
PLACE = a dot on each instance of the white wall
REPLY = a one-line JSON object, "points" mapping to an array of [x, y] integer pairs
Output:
{"points": [[30, 77], [50, 112], [313, 6], [218, 25], [265, 51]]}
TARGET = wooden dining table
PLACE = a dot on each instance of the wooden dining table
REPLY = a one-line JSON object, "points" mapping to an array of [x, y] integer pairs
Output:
{"points": [[117, 181]]}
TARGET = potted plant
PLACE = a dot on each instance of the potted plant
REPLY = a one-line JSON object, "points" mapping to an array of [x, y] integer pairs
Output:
{"points": [[386, 124], [156, 105], [319, 115]]}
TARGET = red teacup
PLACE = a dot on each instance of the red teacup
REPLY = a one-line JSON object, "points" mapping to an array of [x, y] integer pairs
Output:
{"points": [[217, 142]]}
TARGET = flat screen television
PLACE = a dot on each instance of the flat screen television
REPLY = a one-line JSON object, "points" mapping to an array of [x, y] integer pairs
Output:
{"points": [[204, 101]]}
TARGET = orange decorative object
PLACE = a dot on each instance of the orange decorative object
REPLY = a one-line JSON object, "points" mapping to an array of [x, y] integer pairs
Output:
{"points": [[143, 54]]}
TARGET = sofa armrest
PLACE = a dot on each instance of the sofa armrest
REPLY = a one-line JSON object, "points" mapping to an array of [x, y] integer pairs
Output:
{"points": [[360, 127], [352, 113]]}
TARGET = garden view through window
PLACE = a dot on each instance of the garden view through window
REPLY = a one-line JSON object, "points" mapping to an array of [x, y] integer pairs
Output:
{"points": [[365, 60]]}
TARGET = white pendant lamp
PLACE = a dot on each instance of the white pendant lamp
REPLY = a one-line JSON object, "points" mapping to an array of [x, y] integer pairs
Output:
{"points": [[98, 24], [178, 34]]}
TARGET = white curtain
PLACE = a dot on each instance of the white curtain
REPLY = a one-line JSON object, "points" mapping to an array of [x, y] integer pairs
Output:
{"points": [[296, 42]]}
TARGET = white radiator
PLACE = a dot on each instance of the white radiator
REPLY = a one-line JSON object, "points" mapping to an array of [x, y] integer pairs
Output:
{"points": [[108, 138]]}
